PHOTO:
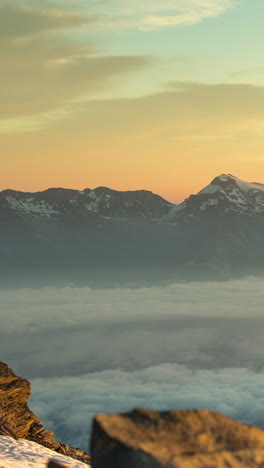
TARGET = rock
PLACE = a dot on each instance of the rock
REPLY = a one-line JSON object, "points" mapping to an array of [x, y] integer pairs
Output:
{"points": [[19, 422], [175, 439], [53, 464]]}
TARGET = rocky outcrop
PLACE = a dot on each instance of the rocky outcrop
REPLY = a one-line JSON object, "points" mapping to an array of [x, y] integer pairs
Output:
{"points": [[19, 422], [175, 439], [53, 464]]}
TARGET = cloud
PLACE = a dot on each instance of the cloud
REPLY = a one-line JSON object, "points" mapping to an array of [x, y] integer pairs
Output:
{"points": [[23, 20], [43, 70], [18, 21], [185, 12], [53, 72], [92, 350], [64, 88], [250, 72], [46, 68], [182, 112], [69, 404], [154, 14]]}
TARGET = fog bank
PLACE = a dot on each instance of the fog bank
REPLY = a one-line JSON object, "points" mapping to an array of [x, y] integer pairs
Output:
{"points": [[89, 350]]}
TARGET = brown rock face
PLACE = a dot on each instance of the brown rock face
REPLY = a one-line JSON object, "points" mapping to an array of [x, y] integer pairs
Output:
{"points": [[19, 422], [175, 439], [53, 464]]}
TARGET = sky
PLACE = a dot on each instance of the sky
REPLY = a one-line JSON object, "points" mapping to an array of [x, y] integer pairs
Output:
{"points": [[88, 351], [130, 94]]}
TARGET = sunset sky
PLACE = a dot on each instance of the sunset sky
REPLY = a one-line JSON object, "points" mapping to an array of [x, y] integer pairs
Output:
{"points": [[131, 94]]}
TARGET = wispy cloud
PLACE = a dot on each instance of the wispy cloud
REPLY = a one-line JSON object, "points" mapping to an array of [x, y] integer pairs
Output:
{"points": [[44, 69], [18, 21], [152, 14], [247, 72], [41, 102]]}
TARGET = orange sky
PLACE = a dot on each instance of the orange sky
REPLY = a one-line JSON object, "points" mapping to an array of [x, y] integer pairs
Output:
{"points": [[159, 102]]}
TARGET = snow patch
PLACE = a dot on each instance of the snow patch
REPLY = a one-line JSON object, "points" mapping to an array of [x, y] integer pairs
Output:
{"points": [[244, 186], [93, 206], [225, 177], [210, 189], [92, 195], [258, 185], [30, 205], [129, 204], [211, 202], [107, 200], [26, 454]]}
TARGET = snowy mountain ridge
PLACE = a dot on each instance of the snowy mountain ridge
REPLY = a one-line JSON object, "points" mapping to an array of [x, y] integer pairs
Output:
{"points": [[102, 201], [100, 228], [226, 193]]}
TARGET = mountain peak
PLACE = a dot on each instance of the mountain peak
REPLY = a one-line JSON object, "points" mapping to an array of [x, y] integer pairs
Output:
{"points": [[226, 194], [224, 178], [229, 182]]}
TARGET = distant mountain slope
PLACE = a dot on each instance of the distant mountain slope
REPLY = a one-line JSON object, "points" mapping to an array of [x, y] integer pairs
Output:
{"points": [[221, 226], [225, 195], [102, 201]]}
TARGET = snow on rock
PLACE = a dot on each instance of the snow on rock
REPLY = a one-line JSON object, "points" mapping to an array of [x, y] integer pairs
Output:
{"points": [[210, 189], [29, 205], [220, 183], [238, 195], [225, 194], [101, 201], [26, 454], [208, 203]]}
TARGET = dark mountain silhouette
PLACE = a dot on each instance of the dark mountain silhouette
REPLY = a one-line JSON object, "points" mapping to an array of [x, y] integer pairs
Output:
{"points": [[220, 227]]}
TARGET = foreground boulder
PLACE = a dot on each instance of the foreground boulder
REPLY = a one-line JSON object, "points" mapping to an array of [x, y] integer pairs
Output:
{"points": [[174, 439], [19, 422], [53, 464]]}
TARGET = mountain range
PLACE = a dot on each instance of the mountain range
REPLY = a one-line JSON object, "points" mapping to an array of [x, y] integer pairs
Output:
{"points": [[220, 227]]}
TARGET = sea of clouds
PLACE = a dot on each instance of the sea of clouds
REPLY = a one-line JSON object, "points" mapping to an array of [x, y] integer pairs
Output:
{"points": [[90, 350]]}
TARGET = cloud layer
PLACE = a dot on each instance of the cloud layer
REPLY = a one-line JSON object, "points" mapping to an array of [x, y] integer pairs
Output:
{"points": [[184, 345], [69, 404]]}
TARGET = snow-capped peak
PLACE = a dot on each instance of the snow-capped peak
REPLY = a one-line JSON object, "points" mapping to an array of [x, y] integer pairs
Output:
{"points": [[226, 194], [221, 182]]}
